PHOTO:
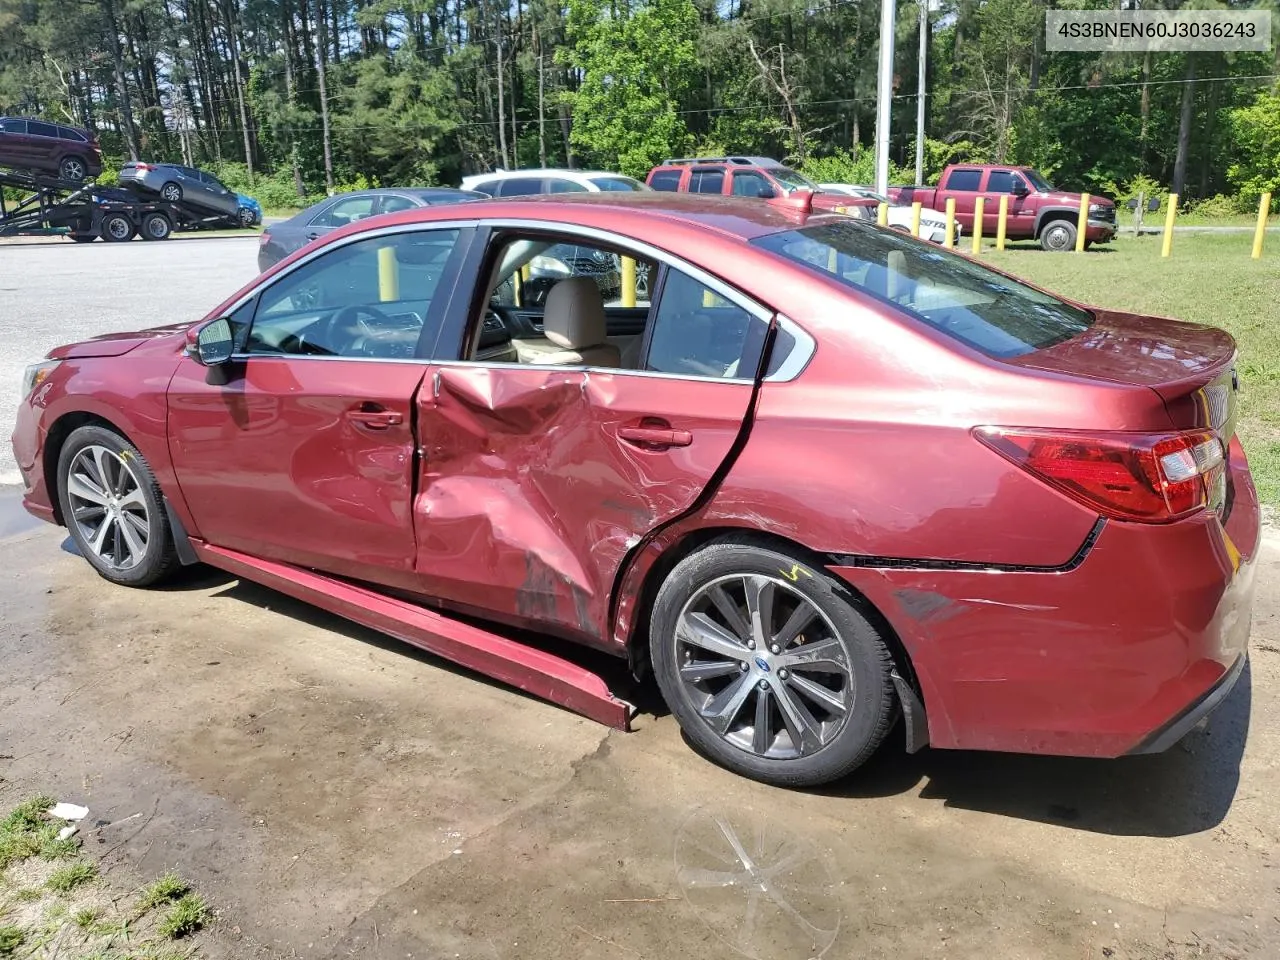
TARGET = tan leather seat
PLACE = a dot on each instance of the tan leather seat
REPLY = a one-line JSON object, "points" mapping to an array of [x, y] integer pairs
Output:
{"points": [[573, 320]]}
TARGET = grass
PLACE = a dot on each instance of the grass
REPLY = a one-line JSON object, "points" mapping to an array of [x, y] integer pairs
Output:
{"points": [[1209, 279], [74, 874], [187, 915], [52, 908], [168, 888]]}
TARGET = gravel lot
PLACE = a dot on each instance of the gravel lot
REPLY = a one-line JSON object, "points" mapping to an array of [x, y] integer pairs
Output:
{"points": [[336, 794], [53, 291]]}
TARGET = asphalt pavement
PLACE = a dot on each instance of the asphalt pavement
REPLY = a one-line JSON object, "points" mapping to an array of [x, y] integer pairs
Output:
{"points": [[53, 291]]}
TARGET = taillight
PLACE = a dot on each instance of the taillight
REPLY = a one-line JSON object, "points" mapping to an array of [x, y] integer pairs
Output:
{"points": [[1151, 478], [264, 239], [144, 167]]}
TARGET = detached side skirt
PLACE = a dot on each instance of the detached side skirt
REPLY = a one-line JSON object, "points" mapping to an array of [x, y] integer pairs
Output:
{"points": [[534, 671]]}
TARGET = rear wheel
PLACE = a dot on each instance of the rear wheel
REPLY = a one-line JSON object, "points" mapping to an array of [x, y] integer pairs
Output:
{"points": [[73, 168], [113, 509], [1057, 236], [82, 237], [171, 192], [769, 666], [156, 226], [116, 228]]}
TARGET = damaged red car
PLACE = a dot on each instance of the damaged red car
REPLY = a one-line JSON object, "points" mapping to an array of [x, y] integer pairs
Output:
{"points": [[815, 476]]}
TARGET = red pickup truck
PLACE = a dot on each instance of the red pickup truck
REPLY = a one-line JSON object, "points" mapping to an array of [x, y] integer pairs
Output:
{"points": [[1036, 210]]}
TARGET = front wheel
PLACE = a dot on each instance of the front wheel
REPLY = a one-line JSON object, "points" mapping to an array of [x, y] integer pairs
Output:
{"points": [[113, 509], [247, 217], [117, 228], [769, 666], [1058, 236]]}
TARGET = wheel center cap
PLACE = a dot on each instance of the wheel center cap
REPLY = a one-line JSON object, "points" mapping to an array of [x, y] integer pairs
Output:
{"points": [[763, 664]]}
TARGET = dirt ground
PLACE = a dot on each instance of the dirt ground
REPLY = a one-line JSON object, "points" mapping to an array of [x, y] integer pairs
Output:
{"points": [[337, 794]]}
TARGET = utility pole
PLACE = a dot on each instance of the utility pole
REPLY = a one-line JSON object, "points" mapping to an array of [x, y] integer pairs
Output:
{"points": [[920, 84], [884, 93]]}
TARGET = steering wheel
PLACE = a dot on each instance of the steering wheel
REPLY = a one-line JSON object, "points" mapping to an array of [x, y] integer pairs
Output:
{"points": [[325, 337]]}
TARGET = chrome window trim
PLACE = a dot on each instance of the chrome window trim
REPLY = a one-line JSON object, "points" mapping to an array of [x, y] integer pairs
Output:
{"points": [[800, 355], [791, 368]]}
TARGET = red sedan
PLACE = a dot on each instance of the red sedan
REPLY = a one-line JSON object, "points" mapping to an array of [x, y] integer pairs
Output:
{"points": [[813, 474]]}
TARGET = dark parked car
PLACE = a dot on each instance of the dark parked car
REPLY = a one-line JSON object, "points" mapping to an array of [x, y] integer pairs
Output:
{"points": [[1036, 533], [69, 153], [281, 239], [174, 183]]}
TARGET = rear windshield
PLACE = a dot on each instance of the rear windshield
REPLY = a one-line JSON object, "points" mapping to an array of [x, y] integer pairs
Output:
{"points": [[980, 308], [617, 183]]}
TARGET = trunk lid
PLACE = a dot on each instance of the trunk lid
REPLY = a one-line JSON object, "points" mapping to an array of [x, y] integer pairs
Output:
{"points": [[1190, 366]]}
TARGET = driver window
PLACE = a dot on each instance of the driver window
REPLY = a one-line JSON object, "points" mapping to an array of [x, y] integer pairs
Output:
{"points": [[371, 298]]}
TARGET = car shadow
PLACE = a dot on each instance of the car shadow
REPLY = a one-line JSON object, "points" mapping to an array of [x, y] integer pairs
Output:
{"points": [[1187, 789]]}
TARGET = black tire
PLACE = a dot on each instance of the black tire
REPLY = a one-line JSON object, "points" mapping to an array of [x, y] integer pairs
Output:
{"points": [[1058, 236], [158, 558], [171, 192], [116, 228], [82, 237], [156, 226], [867, 663], [246, 217], [73, 168]]}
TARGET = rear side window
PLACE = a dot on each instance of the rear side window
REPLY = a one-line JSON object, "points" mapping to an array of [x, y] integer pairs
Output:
{"points": [[37, 128], [668, 180], [706, 181], [66, 133], [619, 184], [698, 333], [982, 309], [488, 187], [520, 187], [964, 180]]}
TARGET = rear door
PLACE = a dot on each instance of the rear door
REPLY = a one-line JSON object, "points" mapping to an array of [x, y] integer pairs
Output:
{"points": [[307, 454], [539, 480], [963, 183], [707, 180]]}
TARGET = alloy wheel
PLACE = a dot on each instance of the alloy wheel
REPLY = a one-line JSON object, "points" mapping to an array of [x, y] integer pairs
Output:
{"points": [[171, 192], [72, 169], [108, 507], [763, 667]]}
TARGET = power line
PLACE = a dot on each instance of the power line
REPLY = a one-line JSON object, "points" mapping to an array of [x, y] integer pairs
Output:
{"points": [[799, 103]]}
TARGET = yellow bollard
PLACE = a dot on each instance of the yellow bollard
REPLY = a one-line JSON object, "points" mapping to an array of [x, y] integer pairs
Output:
{"points": [[882, 215], [978, 204], [915, 218], [1264, 208], [1167, 246], [950, 240], [388, 275], [628, 282], [1002, 220], [1082, 222]]}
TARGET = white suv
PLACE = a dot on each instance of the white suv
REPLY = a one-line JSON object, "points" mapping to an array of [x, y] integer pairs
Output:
{"points": [[523, 183]]}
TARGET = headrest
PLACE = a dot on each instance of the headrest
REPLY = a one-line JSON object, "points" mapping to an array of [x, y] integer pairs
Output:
{"points": [[574, 314]]}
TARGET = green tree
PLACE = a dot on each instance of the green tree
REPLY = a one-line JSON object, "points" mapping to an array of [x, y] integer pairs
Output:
{"points": [[636, 67], [1255, 135]]}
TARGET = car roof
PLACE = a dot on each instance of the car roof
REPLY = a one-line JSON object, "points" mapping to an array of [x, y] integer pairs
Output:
{"points": [[643, 215], [544, 172]]}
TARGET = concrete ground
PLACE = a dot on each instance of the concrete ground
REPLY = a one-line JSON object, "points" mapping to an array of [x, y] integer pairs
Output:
{"points": [[337, 794]]}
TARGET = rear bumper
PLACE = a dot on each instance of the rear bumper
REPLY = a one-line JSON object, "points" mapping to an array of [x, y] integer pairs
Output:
{"points": [[1120, 652], [1185, 722]]}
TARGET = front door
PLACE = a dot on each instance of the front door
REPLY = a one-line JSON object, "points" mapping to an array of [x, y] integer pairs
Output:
{"points": [[540, 478], [307, 454]]}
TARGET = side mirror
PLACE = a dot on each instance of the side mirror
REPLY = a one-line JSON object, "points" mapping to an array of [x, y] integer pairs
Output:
{"points": [[1018, 188], [767, 193], [214, 343]]}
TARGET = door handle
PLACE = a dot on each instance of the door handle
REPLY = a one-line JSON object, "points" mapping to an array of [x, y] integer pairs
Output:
{"points": [[647, 436], [375, 419]]}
